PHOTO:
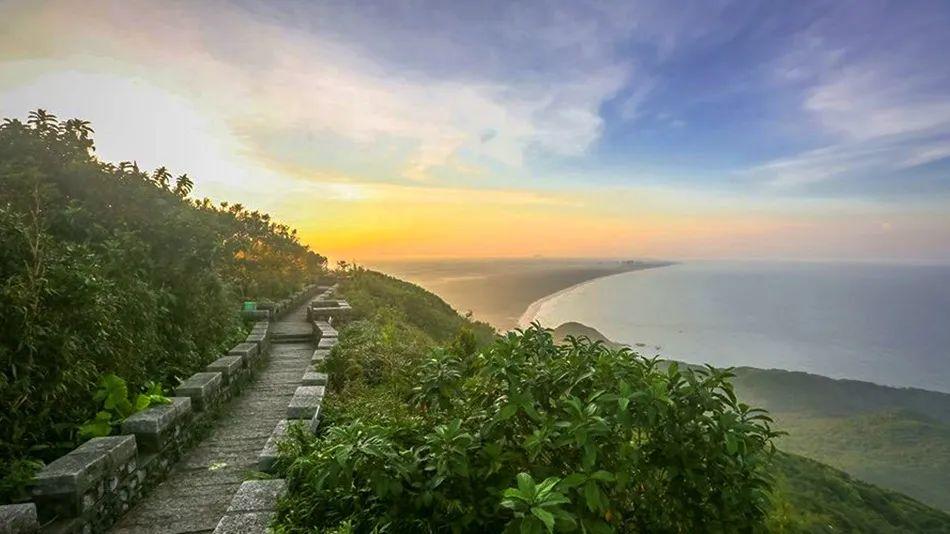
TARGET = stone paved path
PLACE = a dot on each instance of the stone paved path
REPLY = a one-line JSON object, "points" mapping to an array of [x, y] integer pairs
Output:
{"points": [[199, 488]]}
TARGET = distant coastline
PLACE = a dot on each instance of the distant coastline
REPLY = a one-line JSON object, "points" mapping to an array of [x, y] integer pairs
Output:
{"points": [[532, 310], [499, 291]]}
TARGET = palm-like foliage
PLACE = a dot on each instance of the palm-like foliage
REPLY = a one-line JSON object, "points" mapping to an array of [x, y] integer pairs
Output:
{"points": [[183, 185], [81, 127], [162, 177], [42, 120]]}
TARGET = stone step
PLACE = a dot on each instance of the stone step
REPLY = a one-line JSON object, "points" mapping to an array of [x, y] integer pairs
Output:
{"points": [[291, 338]]}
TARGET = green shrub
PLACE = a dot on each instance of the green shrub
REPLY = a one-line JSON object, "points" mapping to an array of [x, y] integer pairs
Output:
{"points": [[113, 393], [527, 436], [375, 351]]}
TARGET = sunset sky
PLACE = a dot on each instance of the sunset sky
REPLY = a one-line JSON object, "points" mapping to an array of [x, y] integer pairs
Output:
{"points": [[708, 129]]}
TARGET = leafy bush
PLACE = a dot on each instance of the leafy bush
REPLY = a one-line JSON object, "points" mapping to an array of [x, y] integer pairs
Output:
{"points": [[378, 351], [113, 393], [109, 269], [529, 436]]}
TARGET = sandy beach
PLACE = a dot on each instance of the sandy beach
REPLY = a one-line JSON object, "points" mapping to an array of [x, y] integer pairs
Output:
{"points": [[500, 291]]}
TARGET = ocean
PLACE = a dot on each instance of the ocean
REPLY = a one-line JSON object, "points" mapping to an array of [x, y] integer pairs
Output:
{"points": [[888, 324]]}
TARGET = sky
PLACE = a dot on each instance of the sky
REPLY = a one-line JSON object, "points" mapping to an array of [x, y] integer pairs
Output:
{"points": [[710, 129]]}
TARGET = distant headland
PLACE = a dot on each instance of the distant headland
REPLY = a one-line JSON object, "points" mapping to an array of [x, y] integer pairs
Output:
{"points": [[499, 291]]}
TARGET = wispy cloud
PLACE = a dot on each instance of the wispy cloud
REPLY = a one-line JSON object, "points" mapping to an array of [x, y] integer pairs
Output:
{"points": [[252, 70], [877, 93], [411, 124]]}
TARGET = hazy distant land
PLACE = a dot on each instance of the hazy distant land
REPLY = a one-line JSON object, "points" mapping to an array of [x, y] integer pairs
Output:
{"points": [[499, 291], [898, 438]]}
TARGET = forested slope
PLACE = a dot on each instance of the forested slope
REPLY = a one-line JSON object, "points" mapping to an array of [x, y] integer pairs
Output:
{"points": [[108, 269]]}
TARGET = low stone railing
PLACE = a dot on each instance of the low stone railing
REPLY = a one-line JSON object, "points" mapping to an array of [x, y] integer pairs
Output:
{"points": [[88, 489], [277, 310], [255, 504]]}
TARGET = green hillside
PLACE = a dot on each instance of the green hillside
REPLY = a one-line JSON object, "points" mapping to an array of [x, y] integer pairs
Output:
{"points": [[813, 497], [580, 330], [374, 432], [798, 392], [898, 438]]}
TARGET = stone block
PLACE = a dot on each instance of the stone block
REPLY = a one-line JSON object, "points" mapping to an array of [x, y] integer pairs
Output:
{"points": [[313, 378], [228, 366], [71, 484], [155, 427], [202, 388], [319, 356], [252, 507], [246, 523], [268, 455], [258, 496], [257, 339], [305, 402], [327, 343], [18, 519], [248, 351], [329, 309], [261, 340], [326, 330], [255, 315], [258, 332], [117, 449]]}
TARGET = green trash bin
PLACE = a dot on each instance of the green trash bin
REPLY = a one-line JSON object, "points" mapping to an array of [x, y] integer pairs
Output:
{"points": [[250, 305]]}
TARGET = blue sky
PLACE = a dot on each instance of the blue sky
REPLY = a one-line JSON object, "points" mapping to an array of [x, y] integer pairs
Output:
{"points": [[824, 125], [711, 94]]}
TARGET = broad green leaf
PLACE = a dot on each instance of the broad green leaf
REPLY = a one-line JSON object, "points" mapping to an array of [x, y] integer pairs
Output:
{"points": [[731, 445], [572, 480], [592, 496], [546, 517], [526, 485], [507, 412]]}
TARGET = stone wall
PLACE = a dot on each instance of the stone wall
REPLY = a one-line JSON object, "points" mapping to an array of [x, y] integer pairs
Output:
{"points": [[88, 489], [276, 310], [255, 504]]}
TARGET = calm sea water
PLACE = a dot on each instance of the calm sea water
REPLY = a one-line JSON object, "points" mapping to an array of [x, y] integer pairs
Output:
{"points": [[888, 324]]}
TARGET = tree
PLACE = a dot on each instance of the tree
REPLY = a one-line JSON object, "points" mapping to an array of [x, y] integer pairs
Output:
{"points": [[162, 177], [183, 185], [42, 120], [165, 276]]}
